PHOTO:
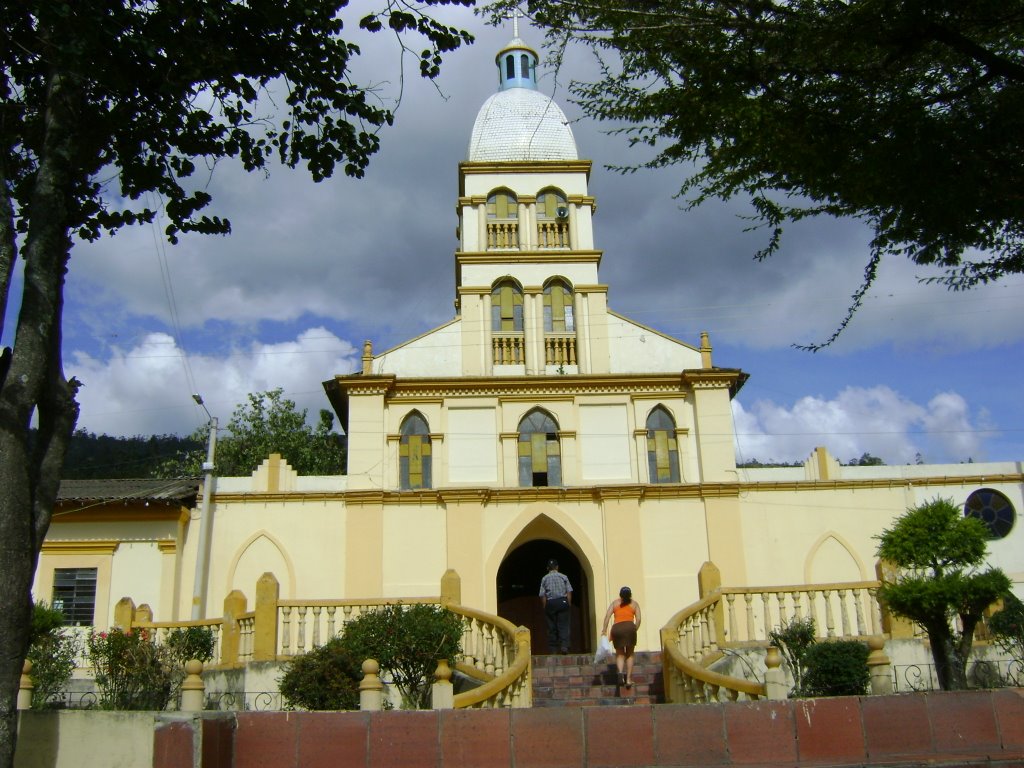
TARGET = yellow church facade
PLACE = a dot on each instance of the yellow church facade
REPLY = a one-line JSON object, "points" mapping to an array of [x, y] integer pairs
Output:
{"points": [[538, 423]]}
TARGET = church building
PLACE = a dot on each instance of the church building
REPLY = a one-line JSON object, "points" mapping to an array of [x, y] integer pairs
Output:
{"points": [[537, 423]]}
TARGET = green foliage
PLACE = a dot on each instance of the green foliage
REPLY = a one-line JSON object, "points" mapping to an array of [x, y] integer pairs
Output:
{"points": [[940, 552], [912, 125], [93, 456], [407, 641], [267, 423], [1007, 628], [132, 672], [187, 643], [52, 651], [867, 460], [836, 668], [793, 640], [326, 678]]}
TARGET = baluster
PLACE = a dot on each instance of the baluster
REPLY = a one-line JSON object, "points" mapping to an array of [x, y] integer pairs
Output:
{"points": [[861, 630], [301, 643], [489, 646], [316, 625], [286, 630], [780, 599], [478, 637], [844, 614], [750, 632], [572, 351], [767, 615], [830, 623], [331, 610], [797, 605], [730, 600], [712, 636]]}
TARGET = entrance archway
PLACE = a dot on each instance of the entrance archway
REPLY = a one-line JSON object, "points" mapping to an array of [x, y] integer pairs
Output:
{"points": [[518, 584]]}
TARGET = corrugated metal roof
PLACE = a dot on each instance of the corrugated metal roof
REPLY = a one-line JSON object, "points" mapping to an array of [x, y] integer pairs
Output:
{"points": [[182, 491]]}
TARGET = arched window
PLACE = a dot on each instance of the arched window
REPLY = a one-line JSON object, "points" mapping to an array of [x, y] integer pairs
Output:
{"points": [[993, 509], [551, 204], [540, 461], [502, 205], [502, 220], [510, 67], [558, 311], [414, 453], [525, 61], [506, 307], [552, 220], [662, 449]]}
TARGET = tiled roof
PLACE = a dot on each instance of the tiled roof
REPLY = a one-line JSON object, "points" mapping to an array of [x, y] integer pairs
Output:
{"points": [[182, 491], [521, 124]]}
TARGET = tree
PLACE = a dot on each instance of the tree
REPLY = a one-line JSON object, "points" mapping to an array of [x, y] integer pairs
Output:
{"points": [[867, 460], [907, 115], [407, 641], [267, 423], [107, 110], [940, 553]]}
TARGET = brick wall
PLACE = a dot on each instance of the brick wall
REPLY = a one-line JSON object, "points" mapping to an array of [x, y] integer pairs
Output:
{"points": [[975, 727]]}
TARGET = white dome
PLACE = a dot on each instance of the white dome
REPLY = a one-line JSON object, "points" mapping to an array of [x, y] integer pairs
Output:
{"points": [[521, 124]]}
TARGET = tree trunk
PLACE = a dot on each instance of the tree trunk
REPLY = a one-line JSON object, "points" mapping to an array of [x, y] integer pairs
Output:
{"points": [[34, 385], [949, 667]]}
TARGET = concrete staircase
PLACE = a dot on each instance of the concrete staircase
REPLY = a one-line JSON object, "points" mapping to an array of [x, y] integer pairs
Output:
{"points": [[574, 680]]}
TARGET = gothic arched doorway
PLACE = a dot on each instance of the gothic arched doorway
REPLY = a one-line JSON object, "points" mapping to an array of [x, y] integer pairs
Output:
{"points": [[518, 584]]}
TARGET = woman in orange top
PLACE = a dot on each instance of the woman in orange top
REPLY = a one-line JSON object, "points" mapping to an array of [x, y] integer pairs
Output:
{"points": [[626, 612]]}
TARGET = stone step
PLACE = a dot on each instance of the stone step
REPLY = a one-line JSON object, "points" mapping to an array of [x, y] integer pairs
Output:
{"points": [[574, 680]]}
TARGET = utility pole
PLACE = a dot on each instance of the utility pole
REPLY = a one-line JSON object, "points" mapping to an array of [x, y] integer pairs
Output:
{"points": [[203, 552]]}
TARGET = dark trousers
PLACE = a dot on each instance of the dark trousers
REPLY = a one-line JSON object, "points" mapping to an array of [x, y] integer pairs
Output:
{"points": [[557, 613]]}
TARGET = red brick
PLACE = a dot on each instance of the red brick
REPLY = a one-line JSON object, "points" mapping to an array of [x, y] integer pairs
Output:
{"points": [[476, 738], [1008, 704], [333, 739], [896, 725], [266, 739], [218, 741], [618, 737], [547, 737], [690, 735], [761, 732], [172, 745], [407, 739], [829, 730], [963, 721]]}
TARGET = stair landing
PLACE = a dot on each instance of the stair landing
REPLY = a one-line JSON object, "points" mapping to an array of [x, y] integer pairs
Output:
{"points": [[573, 680]]}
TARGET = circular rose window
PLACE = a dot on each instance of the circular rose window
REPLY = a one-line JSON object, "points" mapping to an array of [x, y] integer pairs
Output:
{"points": [[993, 509]]}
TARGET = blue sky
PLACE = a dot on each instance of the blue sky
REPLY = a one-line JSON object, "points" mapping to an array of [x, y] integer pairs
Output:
{"points": [[311, 270]]}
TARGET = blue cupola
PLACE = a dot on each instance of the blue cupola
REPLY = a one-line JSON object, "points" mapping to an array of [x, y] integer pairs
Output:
{"points": [[517, 66]]}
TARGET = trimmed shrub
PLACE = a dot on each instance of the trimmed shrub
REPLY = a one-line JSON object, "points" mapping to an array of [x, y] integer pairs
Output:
{"points": [[132, 672], [326, 678], [407, 641], [1007, 628], [53, 649], [187, 643], [838, 668]]}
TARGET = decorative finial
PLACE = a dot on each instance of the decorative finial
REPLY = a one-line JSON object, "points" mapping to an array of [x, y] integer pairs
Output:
{"points": [[515, 14], [705, 350], [367, 357]]}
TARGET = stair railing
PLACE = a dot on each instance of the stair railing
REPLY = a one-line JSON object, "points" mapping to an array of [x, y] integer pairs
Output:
{"points": [[700, 634], [497, 653]]}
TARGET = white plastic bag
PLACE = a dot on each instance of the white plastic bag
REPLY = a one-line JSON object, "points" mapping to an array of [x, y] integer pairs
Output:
{"points": [[605, 652]]}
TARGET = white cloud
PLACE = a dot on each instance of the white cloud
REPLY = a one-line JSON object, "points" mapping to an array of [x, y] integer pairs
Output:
{"points": [[858, 420], [146, 389]]}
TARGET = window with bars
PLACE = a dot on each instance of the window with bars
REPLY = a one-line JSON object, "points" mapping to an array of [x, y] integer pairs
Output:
{"points": [[540, 461], [74, 595], [414, 454], [662, 447]]}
